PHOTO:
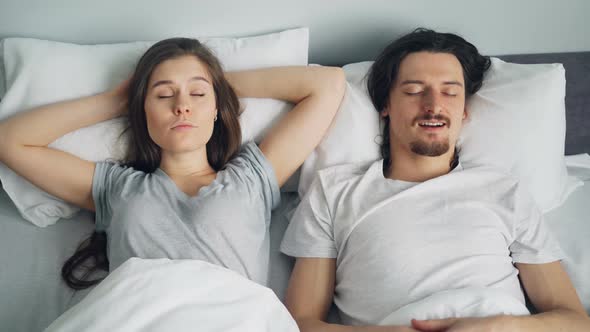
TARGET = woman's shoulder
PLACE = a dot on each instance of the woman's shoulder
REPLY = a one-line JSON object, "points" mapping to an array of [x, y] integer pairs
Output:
{"points": [[250, 166], [114, 170], [249, 157]]}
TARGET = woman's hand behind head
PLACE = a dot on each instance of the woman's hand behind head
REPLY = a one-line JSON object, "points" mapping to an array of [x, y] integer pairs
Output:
{"points": [[119, 96]]}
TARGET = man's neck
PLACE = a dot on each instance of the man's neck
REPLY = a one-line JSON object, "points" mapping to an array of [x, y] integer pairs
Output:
{"points": [[408, 166]]}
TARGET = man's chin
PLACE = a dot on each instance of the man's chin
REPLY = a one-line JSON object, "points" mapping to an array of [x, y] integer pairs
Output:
{"points": [[435, 149]]}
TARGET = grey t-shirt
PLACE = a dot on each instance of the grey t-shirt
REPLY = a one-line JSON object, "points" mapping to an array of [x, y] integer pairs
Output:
{"points": [[146, 215]]}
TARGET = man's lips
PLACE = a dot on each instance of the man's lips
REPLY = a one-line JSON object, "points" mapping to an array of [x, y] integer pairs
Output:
{"points": [[433, 122], [432, 126]]}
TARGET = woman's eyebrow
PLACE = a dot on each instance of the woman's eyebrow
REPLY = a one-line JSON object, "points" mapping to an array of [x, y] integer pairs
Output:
{"points": [[164, 82], [406, 82]]}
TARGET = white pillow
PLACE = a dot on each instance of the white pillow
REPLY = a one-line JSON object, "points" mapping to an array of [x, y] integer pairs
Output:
{"points": [[38, 72], [517, 123]]}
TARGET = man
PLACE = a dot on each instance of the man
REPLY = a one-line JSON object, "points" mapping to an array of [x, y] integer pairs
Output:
{"points": [[394, 243]]}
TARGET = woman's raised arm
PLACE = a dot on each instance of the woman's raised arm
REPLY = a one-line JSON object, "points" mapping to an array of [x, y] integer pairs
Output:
{"points": [[317, 93], [24, 138]]}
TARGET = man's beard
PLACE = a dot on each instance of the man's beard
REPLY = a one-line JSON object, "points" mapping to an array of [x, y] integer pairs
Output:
{"points": [[433, 149]]}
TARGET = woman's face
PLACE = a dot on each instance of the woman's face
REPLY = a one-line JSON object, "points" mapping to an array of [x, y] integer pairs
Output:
{"points": [[180, 105]]}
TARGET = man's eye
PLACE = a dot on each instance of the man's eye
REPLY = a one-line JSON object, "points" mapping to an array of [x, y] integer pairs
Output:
{"points": [[450, 94], [413, 93]]}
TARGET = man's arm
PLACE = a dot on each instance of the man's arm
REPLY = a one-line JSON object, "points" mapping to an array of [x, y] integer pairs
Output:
{"points": [[310, 294], [551, 292]]}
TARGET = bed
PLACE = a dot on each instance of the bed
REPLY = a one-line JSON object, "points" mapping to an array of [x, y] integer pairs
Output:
{"points": [[32, 294]]}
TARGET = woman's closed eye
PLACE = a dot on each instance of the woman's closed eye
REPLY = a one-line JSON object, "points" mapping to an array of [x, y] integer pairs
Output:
{"points": [[164, 93], [170, 95]]}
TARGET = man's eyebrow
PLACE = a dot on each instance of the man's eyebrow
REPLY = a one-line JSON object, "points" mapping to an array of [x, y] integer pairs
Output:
{"points": [[195, 78], [453, 83], [412, 82], [406, 82]]}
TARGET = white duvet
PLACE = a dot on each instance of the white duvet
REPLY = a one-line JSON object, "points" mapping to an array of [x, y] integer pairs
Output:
{"points": [[465, 302], [176, 295]]}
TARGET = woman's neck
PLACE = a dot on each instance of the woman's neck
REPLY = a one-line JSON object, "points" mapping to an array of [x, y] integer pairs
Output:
{"points": [[186, 164]]}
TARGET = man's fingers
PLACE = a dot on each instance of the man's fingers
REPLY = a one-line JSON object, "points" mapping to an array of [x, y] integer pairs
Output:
{"points": [[433, 325]]}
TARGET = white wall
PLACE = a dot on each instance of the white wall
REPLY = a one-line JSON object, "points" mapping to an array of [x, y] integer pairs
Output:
{"points": [[341, 31]]}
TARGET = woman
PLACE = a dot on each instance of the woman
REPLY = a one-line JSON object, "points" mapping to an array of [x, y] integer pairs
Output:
{"points": [[187, 189]]}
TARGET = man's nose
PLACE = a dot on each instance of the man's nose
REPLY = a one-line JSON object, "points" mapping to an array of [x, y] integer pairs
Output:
{"points": [[432, 102]]}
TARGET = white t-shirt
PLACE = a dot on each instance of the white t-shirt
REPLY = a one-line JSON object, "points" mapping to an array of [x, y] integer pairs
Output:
{"points": [[400, 242]]}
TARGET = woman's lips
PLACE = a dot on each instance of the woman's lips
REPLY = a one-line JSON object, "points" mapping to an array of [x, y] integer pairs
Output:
{"points": [[183, 127]]}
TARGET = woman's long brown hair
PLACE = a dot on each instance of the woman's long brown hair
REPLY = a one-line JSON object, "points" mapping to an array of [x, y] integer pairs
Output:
{"points": [[144, 154]]}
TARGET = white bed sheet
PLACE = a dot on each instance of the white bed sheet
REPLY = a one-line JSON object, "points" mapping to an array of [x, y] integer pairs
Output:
{"points": [[571, 225]]}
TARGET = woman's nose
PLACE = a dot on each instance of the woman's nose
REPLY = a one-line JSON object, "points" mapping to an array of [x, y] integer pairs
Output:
{"points": [[181, 107]]}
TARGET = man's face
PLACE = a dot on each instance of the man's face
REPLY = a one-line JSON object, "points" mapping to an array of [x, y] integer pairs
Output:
{"points": [[426, 105]]}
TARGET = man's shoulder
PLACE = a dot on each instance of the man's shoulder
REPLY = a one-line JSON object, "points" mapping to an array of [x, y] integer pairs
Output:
{"points": [[342, 185], [486, 172], [489, 177], [343, 173]]}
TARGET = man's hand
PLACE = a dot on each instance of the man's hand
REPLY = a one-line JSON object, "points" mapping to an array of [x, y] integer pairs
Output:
{"points": [[487, 324], [401, 329]]}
